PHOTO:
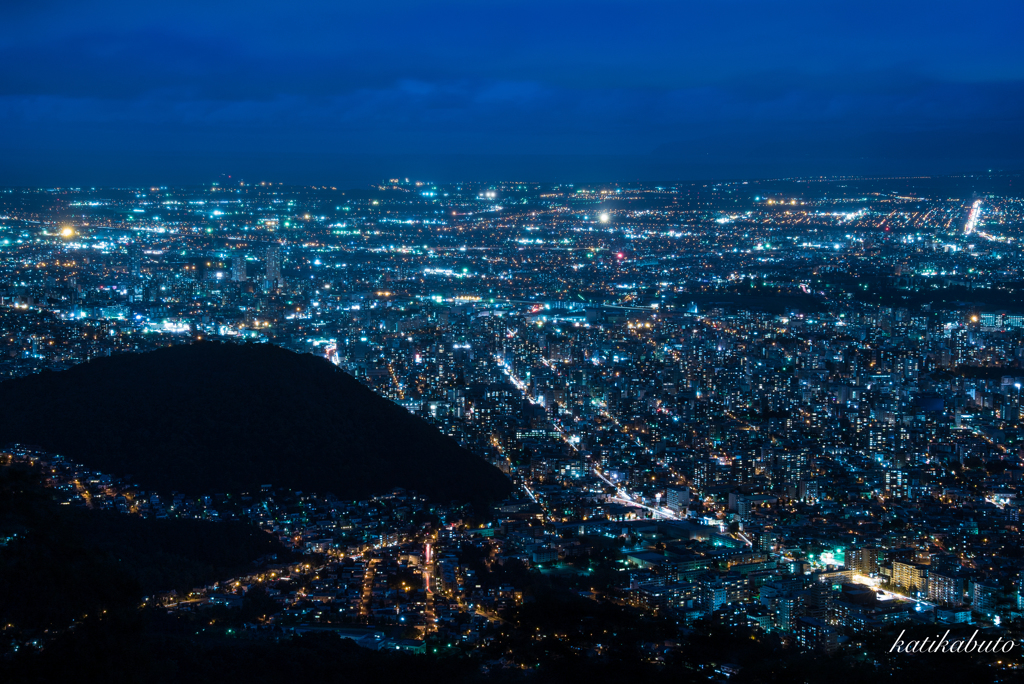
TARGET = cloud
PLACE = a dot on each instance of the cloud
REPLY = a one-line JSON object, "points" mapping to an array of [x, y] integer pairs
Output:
{"points": [[737, 80]]}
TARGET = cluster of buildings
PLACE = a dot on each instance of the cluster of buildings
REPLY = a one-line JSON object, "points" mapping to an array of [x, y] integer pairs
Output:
{"points": [[788, 406]]}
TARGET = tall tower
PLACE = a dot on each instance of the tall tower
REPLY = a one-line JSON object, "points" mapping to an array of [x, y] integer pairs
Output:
{"points": [[238, 273], [274, 279], [135, 258]]}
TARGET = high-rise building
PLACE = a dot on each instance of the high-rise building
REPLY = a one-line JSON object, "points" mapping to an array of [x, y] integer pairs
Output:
{"points": [[984, 596], [273, 272], [238, 272], [135, 258], [812, 634], [862, 561], [911, 576], [946, 588], [677, 498]]}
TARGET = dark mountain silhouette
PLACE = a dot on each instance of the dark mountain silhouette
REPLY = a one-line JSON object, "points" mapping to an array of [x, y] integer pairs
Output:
{"points": [[215, 417], [67, 562]]}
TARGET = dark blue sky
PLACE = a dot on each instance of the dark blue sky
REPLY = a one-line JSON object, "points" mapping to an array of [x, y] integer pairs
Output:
{"points": [[343, 93]]}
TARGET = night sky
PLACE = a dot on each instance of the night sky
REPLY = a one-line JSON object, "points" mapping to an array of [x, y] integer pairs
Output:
{"points": [[346, 93]]}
